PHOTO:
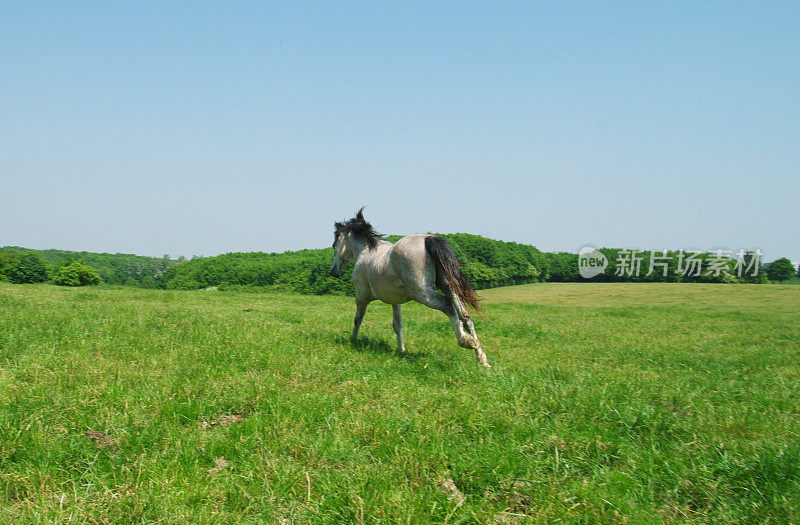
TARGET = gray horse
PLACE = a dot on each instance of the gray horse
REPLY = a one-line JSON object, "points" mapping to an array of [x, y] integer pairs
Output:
{"points": [[406, 271]]}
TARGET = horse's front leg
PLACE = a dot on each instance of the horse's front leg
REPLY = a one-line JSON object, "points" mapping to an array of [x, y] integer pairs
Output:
{"points": [[397, 324], [361, 309]]}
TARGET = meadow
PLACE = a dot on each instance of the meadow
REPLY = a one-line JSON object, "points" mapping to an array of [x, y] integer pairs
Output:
{"points": [[639, 402]]}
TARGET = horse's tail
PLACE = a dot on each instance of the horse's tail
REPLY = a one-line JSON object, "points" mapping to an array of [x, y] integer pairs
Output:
{"points": [[448, 265]]}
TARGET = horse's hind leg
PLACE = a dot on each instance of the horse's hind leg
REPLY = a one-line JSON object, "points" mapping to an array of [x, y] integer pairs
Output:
{"points": [[459, 316], [465, 334], [397, 324], [469, 327], [459, 319]]}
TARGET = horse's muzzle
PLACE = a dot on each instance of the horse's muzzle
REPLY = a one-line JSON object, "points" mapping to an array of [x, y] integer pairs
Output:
{"points": [[335, 272]]}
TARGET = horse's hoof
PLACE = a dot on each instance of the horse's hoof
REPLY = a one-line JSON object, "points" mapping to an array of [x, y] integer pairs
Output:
{"points": [[481, 357]]}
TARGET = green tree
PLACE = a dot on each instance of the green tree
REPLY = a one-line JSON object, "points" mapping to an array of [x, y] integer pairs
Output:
{"points": [[76, 273], [780, 270], [28, 268]]}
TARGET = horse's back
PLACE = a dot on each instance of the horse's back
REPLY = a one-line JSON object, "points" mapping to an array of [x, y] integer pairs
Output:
{"points": [[410, 260]]}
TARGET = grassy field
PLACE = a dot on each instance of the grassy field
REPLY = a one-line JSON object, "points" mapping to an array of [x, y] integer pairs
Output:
{"points": [[607, 402]]}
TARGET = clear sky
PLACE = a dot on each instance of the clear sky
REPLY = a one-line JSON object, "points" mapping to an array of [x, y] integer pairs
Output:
{"points": [[197, 128]]}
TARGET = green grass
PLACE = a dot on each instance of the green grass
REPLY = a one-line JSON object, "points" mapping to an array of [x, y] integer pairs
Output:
{"points": [[645, 402]]}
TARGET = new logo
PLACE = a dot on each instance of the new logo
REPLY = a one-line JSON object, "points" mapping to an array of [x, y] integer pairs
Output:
{"points": [[591, 262]]}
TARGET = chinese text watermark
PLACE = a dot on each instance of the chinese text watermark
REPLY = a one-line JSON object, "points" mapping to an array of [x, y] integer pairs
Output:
{"points": [[683, 263]]}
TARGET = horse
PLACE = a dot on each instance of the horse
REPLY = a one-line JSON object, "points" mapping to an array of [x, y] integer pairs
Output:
{"points": [[409, 270]]}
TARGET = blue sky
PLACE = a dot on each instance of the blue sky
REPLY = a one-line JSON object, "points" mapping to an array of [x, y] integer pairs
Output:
{"points": [[207, 127]]}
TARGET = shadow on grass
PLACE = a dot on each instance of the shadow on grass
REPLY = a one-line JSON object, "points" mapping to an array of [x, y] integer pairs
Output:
{"points": [[375, 345]]}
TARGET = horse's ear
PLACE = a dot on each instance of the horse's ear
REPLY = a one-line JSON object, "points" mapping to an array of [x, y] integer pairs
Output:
{"points": [[338, 226], [360, 215]]}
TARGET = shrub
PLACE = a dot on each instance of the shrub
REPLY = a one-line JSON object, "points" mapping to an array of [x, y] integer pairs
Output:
{"points": [[780, 270], [76, 273]]}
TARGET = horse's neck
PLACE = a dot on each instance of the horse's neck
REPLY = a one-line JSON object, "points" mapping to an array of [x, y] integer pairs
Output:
{"points": [[357, 246], [372, 256]]}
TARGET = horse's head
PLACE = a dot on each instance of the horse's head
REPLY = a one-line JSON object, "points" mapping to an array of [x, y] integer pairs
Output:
{"points": [[342, 254], [349, 238]]}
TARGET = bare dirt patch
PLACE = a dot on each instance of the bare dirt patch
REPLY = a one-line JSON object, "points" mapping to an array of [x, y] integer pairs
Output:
{"points": [[221, 421], [220, 465], [103, 440]]}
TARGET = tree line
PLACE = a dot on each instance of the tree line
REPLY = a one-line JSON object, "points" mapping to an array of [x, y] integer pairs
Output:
{"points": [[69, 268], [486, 262]]}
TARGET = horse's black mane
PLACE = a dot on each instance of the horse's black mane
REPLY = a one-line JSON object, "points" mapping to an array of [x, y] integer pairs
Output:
{"points": [[359, 227]]}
